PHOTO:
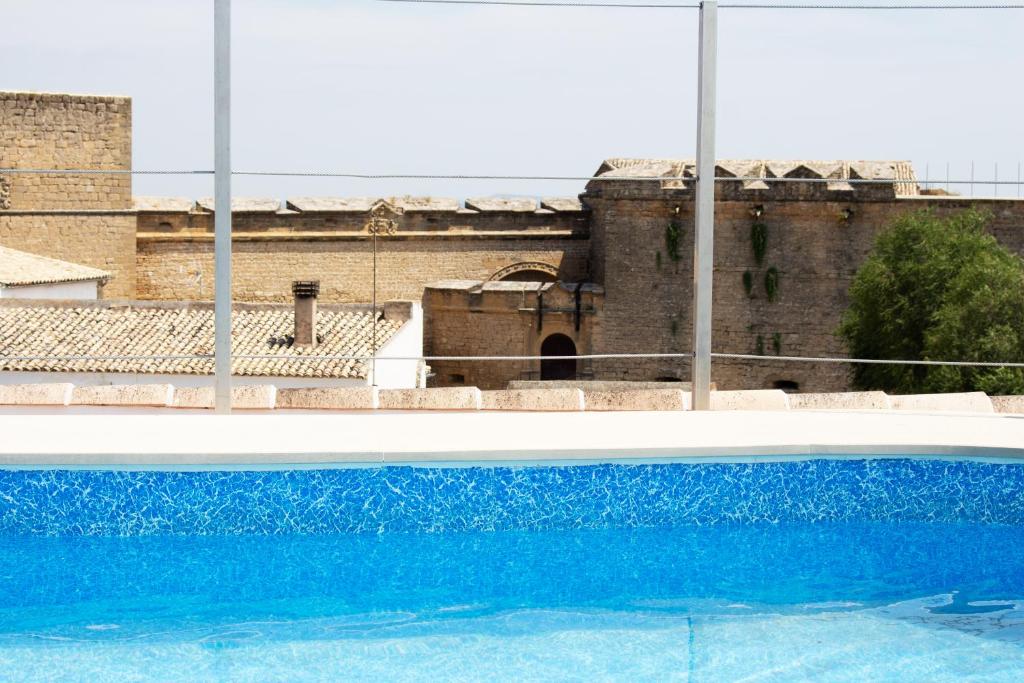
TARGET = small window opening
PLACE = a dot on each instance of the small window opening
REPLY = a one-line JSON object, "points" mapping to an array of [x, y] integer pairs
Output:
{"points": [[787, 385], [456, 378]]}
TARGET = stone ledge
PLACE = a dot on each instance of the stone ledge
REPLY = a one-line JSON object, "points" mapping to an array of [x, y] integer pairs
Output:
{"points": [[565, 400], [852, 400], [342, 398], [971, 402], [754, 399], [246, 397], [455, 398], [35, 394], [644, 399], [137, 395], [1008, 404]]}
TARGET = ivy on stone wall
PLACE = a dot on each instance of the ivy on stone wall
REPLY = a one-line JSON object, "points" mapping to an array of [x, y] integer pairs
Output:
{"points": [[748, 283], [777, 343], [673, 235], [771, 283], [759, 241], [759, 345]]}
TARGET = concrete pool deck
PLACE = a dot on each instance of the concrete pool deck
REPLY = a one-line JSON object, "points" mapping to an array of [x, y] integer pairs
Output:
{"points": [[177, 439]]}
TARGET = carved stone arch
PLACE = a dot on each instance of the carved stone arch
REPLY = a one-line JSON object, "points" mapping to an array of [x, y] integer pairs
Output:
{"points": [[5, 192], [529, 271]]}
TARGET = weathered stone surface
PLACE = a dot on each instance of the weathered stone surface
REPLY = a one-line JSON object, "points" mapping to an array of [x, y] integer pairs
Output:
{"points": [[631, 399], [243, 397], [35, 394], [501, 204], [455, 398], [597, 385], [329, 204], [970, 402], [561, 203], [1008, 404], [853, 400], [341, 398], [243, 204], [567, 400], [757, 399], [139, 395], [163, 204]]}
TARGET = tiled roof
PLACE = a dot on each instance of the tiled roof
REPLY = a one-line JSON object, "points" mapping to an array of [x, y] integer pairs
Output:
{"points": [[18, 268], [138, 329]]}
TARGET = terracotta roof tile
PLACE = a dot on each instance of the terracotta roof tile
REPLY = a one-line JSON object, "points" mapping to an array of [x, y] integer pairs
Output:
{"points": [[141, 330], [18, 268]]}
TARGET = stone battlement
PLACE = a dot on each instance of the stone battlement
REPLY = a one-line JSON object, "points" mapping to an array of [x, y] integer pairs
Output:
{"points": [[763, 179], [341, 218]]}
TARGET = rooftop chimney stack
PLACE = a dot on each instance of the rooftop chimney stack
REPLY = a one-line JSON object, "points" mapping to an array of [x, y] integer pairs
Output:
{"points": [[306, 292]]}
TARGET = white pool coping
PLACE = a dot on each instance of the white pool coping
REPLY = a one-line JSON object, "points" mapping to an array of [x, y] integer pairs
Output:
{"points": [[303, 440]]}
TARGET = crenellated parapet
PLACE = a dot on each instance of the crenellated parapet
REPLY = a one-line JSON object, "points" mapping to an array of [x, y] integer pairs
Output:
{"points": [[325, 218], [757, 180]]}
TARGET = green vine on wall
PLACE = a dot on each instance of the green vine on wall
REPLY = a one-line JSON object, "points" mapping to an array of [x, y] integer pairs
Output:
{"points": [[771, 283], [759, 345], [777, 343], [748, 283], [673, 235], [759, 241]]}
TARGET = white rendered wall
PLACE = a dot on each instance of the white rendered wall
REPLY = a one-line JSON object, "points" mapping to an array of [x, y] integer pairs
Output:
{"points": [[406, 343], [87, 289]]}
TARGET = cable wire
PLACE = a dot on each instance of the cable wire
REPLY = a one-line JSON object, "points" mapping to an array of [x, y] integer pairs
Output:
{"points": [[464, 176], [757, 6], [591, 356], [870, 361]]}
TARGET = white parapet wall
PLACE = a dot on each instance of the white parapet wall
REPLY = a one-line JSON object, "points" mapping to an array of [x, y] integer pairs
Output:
{"points": [[398, 363], [290, 438]]}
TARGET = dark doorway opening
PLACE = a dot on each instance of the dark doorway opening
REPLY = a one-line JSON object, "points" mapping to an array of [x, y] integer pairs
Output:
{"points": [[529, 276], [558, 368]]}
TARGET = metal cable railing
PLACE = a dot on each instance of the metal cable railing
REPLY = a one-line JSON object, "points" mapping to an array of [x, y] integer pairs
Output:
{"points": [[510, 358]]}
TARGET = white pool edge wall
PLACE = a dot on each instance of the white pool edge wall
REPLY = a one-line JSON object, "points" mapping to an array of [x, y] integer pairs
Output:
{"points": [[381, 438]]}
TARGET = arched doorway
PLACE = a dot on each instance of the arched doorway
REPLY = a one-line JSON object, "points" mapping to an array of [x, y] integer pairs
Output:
{"points": [[558, 368]]}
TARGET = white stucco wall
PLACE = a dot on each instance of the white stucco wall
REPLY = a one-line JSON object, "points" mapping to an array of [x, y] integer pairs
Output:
{"points": [[406, 343], [86, 289]]}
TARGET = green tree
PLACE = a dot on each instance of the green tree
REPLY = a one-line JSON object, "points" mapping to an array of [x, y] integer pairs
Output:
{"points": [[938, 289]]}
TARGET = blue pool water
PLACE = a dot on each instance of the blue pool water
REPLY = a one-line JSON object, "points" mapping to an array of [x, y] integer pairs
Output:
{"points": [[834, 570]]}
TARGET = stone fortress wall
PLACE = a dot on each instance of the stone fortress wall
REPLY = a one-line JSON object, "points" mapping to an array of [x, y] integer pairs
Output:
{"points": [[616, 238], [327, 239], [816, 236], [85, 218]]}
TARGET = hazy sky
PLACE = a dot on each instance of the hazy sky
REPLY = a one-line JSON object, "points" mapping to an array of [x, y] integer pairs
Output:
{"points": [[357, 85]]}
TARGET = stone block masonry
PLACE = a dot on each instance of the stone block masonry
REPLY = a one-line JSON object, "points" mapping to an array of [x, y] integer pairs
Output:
{"points": [[327, 239], [55, 131], [85, 219]]}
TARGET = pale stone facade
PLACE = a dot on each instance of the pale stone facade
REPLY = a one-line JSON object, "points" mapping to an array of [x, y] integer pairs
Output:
{"points": [[628, 240]]}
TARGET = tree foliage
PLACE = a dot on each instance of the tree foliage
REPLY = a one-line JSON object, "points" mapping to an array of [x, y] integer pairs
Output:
{"points": [[938, 289]]}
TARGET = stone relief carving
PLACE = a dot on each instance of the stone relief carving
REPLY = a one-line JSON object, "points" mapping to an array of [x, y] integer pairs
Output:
{"points": [[5, 193], [382, 218]]}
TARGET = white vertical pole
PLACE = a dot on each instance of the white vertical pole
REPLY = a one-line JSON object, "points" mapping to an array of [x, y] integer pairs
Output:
{"points": [[704, 236], [222, 202]]}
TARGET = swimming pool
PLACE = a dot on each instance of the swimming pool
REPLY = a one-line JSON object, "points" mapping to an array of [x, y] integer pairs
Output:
{"points": [[818, 568]]}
